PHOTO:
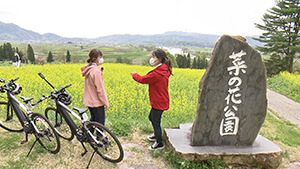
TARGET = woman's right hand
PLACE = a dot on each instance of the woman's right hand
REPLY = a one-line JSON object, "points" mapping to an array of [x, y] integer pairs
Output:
{"points": [[133, 72]]}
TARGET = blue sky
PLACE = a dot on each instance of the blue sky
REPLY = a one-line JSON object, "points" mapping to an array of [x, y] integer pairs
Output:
{"points": [[95, 18]]}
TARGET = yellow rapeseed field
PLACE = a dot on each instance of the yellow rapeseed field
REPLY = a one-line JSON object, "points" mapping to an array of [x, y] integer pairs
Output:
{"points": [[129, 101]]}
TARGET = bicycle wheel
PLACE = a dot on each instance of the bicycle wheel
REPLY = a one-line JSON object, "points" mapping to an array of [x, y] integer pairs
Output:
{"points": [[7, 119], [106, 145], [62, 128], [45, 133]]}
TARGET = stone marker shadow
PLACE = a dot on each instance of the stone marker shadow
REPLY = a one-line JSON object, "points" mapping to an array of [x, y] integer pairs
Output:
{"points": [[231, 109]]}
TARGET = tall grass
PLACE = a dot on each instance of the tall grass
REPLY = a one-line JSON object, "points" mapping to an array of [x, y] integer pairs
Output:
{"points": [[287, 84]]}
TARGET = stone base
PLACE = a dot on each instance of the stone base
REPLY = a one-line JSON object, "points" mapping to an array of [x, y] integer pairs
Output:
{"points": [[262, 153]]}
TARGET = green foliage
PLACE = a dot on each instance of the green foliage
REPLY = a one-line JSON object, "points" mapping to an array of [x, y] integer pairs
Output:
{"points": [[178, 163], [121, 128], [68, 57], [286, 84], [30, 54], [198, 62], [7, 52], [123, 60], [172, 58], [275, 64], [281, 131], [282, 33], [50, 57]]}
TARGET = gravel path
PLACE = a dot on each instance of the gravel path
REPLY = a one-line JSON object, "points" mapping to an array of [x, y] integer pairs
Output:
{"points": [[284, 107]]}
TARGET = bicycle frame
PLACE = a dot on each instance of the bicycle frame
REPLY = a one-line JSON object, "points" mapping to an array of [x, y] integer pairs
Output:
{"points": [[63, 109], [16, 104]]}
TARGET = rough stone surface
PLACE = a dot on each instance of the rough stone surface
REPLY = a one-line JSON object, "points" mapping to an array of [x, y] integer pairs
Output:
{"points": [[232, 101], [262, 152]]}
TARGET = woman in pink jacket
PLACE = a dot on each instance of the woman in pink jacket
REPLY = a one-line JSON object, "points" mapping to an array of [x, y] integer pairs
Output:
{"points": [[94, 92], [158, 80]]}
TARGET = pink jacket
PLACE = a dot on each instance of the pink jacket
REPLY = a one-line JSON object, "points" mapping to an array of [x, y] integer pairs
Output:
{"points": [[94, 91]]}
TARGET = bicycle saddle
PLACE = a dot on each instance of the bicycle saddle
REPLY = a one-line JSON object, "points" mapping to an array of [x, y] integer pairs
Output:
{"points": [[26, 99], [80, 110]]}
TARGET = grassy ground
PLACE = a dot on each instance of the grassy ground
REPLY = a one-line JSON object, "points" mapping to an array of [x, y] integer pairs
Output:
{"points": [[13, 154], [286, 84]]}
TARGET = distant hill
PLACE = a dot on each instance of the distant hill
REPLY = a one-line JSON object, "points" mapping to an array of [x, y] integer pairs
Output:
{"points": [[12, 32], [172, 38]]}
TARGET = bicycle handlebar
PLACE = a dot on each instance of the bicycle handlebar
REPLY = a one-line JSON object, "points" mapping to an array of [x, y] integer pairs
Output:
{"points": [[5, 86], [43, 77], [52, 94]]}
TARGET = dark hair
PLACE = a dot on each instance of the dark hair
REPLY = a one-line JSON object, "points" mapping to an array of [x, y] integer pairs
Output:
{"points": [[94, 53], [161, 54]]}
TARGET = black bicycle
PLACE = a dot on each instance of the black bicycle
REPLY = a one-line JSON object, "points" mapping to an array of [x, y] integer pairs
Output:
{"points": [[101, 139], [29, 122]]}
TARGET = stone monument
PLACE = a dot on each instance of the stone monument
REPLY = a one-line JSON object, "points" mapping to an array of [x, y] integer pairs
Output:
{"points": [[232, 101], [231, 109]]}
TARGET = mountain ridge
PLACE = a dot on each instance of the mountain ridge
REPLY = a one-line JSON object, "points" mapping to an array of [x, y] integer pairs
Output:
{"points": [[12, 32]]}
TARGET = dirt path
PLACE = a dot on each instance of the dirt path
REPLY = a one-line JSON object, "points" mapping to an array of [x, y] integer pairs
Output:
{"points": [[284, 107], [287, 109]]}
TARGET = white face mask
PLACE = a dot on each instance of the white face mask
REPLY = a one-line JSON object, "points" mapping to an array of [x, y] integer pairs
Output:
{"points": [[101, 61], [153, 61]]}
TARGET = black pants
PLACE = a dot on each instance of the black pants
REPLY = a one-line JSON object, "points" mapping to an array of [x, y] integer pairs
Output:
{"points": [[97, 114], [155, 118]]}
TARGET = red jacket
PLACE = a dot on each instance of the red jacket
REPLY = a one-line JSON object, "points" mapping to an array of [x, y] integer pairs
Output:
{"points": [[158, 80]]}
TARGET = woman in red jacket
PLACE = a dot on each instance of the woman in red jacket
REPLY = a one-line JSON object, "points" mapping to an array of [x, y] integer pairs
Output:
{"points": [[158, 80]]}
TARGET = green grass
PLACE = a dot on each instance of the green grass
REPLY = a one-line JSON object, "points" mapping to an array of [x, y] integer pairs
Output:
{"points": [[281, 131], [286, 84], [177, 163]]}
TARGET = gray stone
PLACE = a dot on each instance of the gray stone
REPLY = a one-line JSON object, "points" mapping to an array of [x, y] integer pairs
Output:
{"points": [[262, 152], [232, 101]]}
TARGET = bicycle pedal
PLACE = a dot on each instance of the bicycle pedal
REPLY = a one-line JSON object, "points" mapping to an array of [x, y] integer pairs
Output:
{"points": [[23, 142]]}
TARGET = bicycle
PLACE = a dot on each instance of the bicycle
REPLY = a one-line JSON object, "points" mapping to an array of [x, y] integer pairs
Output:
{"points": [[29, 122], [101, 139]]}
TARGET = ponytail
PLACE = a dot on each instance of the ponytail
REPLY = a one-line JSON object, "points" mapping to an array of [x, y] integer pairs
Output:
{"points": [[93, 55], [161, 54], [169, 64]]}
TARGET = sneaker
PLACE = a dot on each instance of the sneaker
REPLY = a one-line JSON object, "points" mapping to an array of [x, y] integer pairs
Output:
{"points": [[151, 137], [156, 146]]}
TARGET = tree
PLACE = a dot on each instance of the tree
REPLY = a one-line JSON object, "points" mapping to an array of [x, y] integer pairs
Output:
{"points": [[172, 58], [30, 54], [281, 26], [50, 57], [188, 61], [181, 60], [274, 65], [194, 64], [6, 52], [68, 57]]}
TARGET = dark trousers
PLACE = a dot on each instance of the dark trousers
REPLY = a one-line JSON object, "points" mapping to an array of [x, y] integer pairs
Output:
{"points": [[155, 118], [97, 114]]}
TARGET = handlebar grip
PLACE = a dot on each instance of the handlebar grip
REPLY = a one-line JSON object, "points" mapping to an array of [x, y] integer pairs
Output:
{"points": [[41, 75], [14, 80]]}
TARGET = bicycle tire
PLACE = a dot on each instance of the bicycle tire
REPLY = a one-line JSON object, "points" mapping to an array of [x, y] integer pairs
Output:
{"points": [[7, 120], [109, 148], [46, 134], [61, 127]]}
